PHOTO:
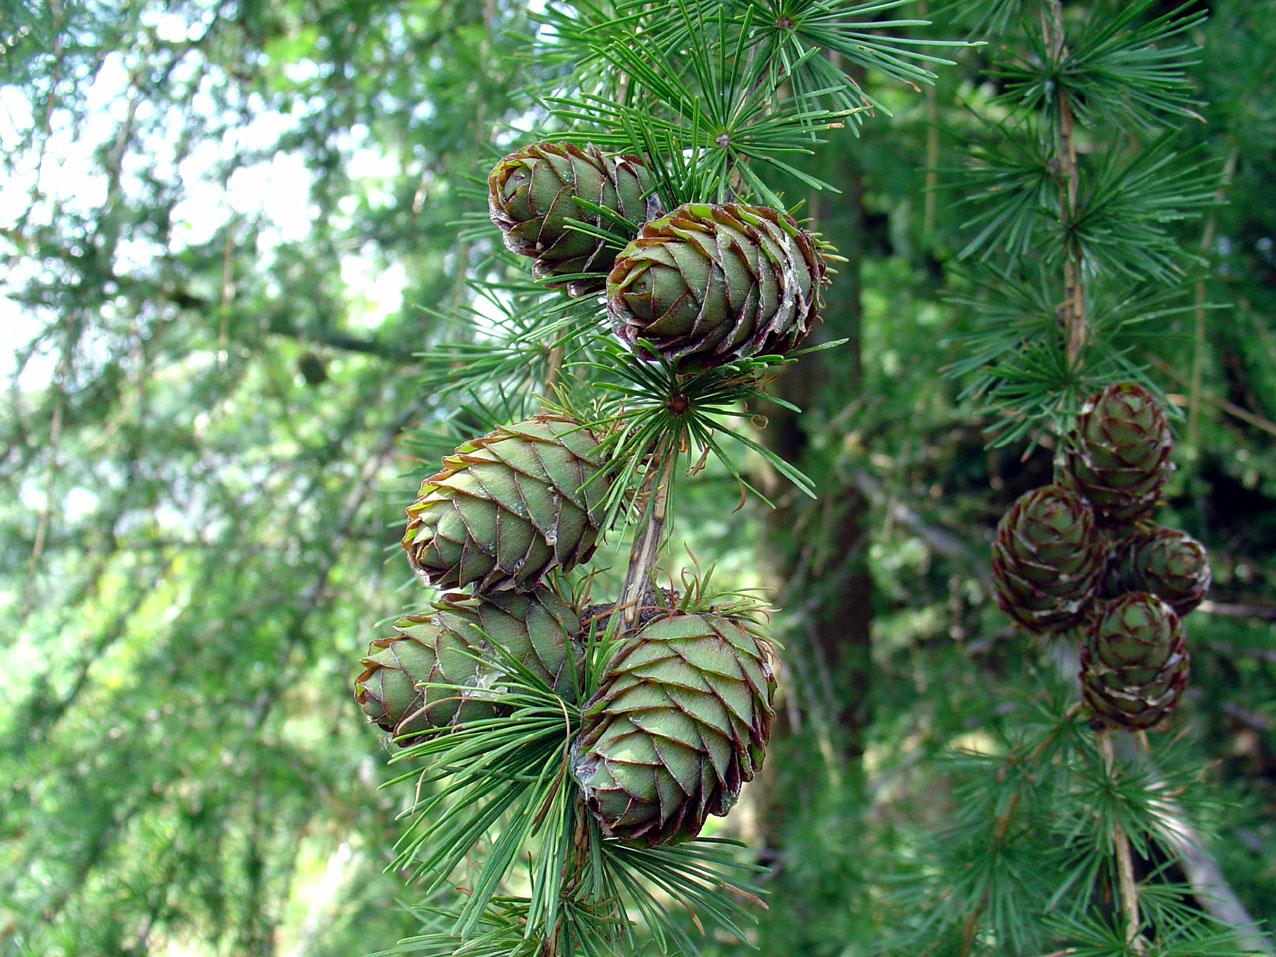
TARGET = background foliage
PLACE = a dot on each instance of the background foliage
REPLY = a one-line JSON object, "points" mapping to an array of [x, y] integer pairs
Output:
{"points": [[227, 230]]}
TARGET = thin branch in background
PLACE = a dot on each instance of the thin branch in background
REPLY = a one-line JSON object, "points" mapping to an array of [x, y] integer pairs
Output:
{"points": [[932, 164], [1231, 408], [58, 385]]}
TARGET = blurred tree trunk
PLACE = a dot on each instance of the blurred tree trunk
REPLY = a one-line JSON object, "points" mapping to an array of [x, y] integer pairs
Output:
{"points": [[822, 546]]}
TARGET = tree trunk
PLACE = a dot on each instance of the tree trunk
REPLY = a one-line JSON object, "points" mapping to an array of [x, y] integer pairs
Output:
{"points": [[822, 547]]}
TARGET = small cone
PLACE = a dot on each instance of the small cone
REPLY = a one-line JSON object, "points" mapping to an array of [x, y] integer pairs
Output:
{"points": [[509, 507], [706, 285], [442, 669], [1134, 662], [1047, 559], [679, 723], [1117, 455], [1170, 564], [534, 191]]}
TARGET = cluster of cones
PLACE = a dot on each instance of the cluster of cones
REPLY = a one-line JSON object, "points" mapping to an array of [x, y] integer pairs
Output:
{"points": [[701, 286], [681, 715], [679, 718], [1084, 554]]}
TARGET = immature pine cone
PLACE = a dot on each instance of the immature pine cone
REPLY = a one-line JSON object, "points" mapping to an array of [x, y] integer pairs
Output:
{"points": [[509, 507], [679, 723], [1117, 455], [403, 686], [1169, 563], [534, 191], [1134, 662], [1047, 559], [706, 285]]}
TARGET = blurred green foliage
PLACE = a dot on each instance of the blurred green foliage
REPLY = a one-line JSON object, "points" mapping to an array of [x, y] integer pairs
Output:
{"points": [[223, 227]]}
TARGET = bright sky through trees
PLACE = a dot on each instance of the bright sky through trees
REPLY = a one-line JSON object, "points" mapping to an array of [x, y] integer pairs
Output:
{"points": [[63, 170]]}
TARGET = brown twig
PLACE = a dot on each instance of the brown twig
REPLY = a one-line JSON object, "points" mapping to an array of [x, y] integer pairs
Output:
{"points": [[1125, 863], [553, 364], [646, 546], [1075, 328], [642, 559]]}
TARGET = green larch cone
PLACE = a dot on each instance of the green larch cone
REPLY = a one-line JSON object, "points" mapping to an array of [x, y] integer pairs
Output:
{"points": [[403, 686], [1047, 559], [680, 721], [534, 191], [509, 507], [1169, 563], [709, 284], [1134, 662], [1117, 455]]}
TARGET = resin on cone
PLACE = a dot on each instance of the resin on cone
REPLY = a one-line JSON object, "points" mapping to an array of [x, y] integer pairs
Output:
{"points": [[442, 669], [1047, 559], [509, 507], [1117, 455], [1134, 662], [679, 723], [707, 284], [533, 192]]}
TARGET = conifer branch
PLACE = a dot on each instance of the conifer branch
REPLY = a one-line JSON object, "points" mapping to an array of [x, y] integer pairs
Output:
{"points": [[1007, 816], [1076, 331], [1121, 842]]}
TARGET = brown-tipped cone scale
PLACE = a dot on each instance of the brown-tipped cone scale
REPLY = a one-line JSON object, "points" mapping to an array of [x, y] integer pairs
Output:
{"points": [[1169, 563], [1117, 455], [708, 284], [533, 192], [509, 507], [1046, 559], [679, 723], [441, 669], [1134, 662]]}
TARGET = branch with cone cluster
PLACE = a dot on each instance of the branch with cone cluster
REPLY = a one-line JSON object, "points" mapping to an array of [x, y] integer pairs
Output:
{"points": [[1083, 557], [664, 704], [592, 741], [1070, 238]]}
